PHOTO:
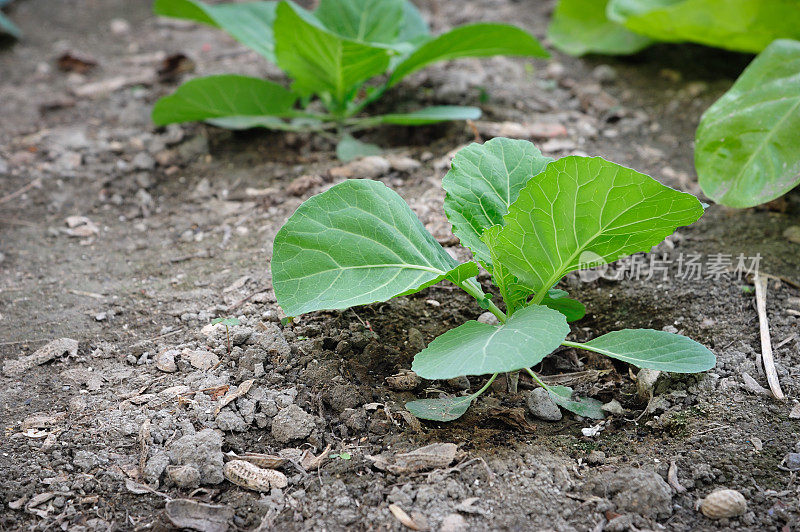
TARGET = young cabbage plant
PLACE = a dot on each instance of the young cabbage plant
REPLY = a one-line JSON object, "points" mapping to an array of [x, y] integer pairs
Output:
{"points": [[330, 54], [528, 220]]}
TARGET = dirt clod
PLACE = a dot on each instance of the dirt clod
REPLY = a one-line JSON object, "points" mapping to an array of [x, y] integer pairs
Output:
{"points": [[202, 450], [292, 423], [635, 490]]}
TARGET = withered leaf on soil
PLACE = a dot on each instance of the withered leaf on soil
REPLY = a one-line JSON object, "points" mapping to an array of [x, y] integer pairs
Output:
{"points": [[433, 456], [186, 513], [41, 356]]}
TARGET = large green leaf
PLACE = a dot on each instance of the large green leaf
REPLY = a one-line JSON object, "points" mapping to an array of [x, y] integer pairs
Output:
{"points": [[475, 348], [659, 350], [514, 294], [431, 115], [743, 25], [354, 244], [580, 27], [747, 150], [414, 28], [583, 207], [250, 23], [223, 96], [321, 61], [472, 40], [443, 409], [583, 406], [376, 21], [483, 181]]}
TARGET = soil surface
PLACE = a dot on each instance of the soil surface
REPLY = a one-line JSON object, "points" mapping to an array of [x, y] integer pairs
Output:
{"points": [[178, 229]]}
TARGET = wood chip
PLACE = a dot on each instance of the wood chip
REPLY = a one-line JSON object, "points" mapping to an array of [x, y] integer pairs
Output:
{"points": [[404, 518], [54, 349]]}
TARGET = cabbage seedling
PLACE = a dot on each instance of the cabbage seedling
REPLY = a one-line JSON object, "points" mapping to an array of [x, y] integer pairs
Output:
{"points": [[529, 220], [330, 54], [226, 322]]}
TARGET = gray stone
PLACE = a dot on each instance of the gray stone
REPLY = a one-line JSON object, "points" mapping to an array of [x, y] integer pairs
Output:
{"points": [[542, 406], [87, 460], [792, 461], [635, 490], [155, 466], [202, 450], [488, 318], [230, 421], [292, 423]]}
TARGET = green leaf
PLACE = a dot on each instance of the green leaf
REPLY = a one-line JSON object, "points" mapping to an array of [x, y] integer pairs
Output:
{"points": [[586, 207], [223, 96], [354, 244], [230, 322], [514, 294], [376, 21], [747, 150], [350, 148], [742, 25], [475, 348], [472, 40], [583, 406], [483, 181], [250, 23], [432, 115], [414, 28], [444, 409], [321, 61], [580, 27], [8, 28], [659, 350], [572, 309], [269, 122]]}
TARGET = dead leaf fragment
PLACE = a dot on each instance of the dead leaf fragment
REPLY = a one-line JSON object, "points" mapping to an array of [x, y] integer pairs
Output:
{"points": [[76, 62], [311, 462], [42, 421], [45, 354], [175, 65], [186, 513], [433, 456], [80, 227], [403, 381], [231, 396]]}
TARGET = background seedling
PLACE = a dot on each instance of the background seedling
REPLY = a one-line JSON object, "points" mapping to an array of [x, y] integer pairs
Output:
{"points": [[331, 55], [746, 152], [226, 322], [529, 221]]}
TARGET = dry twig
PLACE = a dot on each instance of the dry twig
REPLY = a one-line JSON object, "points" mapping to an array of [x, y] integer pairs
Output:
{"points": [[766, 343]]}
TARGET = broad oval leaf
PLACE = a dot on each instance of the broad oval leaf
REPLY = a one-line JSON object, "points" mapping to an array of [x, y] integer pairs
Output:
{"points": [[583, 406], [483, 182], [742, 25], [223, 96], [659, 350], [747, 150], [472, 40], [319, 60], [585, 211], [444, 409], [354, 244], [250, 23], [475, 348], [580, 27], [375, 21], [432, 115]]}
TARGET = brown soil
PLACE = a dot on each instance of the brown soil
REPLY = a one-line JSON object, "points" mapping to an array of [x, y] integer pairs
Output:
{"points": [[176, 228]]}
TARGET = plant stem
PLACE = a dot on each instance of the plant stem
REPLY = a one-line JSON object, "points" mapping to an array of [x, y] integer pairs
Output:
{"points": [[577, 345], [472, 287], [483, 389], [228, 335], [537, 379]]}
